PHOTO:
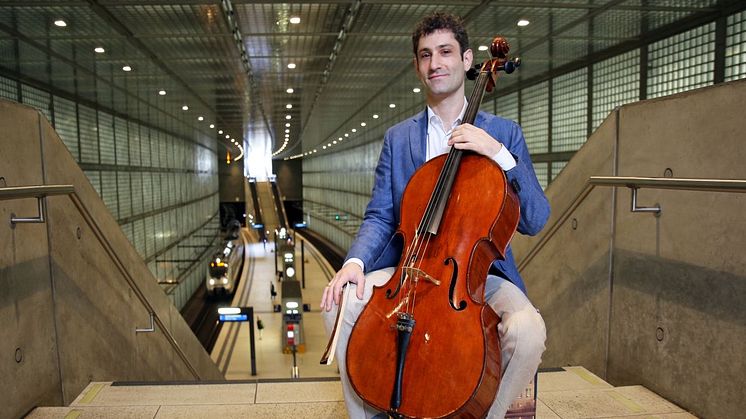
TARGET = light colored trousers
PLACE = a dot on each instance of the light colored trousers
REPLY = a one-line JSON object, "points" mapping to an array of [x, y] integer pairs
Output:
{"points": [[521, 331]]}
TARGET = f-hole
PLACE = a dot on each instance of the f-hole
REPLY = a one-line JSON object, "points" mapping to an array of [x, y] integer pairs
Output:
{"points": [[462, 304]]}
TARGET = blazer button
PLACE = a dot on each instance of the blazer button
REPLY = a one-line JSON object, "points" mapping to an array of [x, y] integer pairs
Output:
{"points": [[516, 185]]}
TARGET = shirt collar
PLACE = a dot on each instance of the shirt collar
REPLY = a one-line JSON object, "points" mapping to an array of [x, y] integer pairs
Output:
{"points": [[432, 117]]}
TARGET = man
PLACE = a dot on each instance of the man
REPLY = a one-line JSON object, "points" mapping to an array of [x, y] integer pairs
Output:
{"points": [[442, 56]]}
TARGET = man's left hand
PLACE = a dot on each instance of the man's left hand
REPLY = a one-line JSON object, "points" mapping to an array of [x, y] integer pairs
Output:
{"points": [[469, 137]]}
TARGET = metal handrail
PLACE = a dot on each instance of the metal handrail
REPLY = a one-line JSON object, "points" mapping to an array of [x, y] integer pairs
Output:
{"points": [[41, 191], [707, 185], [20, 192], [634, 183], [38, 192]]}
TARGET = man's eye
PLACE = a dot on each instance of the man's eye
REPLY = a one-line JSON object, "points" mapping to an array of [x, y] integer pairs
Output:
{"points": [[424, 55]]}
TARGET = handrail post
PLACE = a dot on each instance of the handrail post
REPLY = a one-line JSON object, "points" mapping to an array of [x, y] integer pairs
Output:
{"points": [[41, 201], [634, 208], [149, 329]]}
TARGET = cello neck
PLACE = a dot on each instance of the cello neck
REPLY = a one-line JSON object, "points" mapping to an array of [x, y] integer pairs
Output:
{"points": [[436, 206]]}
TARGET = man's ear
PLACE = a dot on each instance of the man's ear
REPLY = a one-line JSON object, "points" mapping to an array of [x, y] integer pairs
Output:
{"points": [[468, 59]]}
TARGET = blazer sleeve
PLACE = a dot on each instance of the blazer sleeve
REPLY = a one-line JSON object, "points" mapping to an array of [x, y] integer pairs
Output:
{"points": [[534, 204], [379, 222]]}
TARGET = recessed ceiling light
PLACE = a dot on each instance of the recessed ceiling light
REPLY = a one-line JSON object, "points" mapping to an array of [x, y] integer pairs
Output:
{"points": [[287, 124], [295, 20], [324, 147], [220, 131], [334, 142], [483, 48], [99, 50], [289, 106], [227, 136], [185, 108], [314, 150], [523, 22], [392, 105], [61, 23], [162, 92], [362, 124], [290, 90], [329, 145], [347, 135], [354, 130], [212, 125], [288, 117], [287, 131], [291, 65], [340, 138], [127, 68], [416, 90], [375, 116], [287, 135], [200, 118]]}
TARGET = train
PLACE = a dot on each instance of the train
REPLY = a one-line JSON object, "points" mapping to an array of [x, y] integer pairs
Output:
{"points": [[224, 268]]}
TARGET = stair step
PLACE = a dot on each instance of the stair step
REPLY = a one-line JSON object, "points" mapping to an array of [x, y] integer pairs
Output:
{"points": [[567, 393]]}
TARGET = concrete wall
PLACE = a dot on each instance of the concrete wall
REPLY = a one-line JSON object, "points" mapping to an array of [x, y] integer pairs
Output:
{"points": [[648, 300], [289, 178], [231, 180], [68, 308]]}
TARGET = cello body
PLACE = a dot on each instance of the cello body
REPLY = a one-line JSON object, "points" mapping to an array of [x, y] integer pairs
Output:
{"points": [[450, 364]]}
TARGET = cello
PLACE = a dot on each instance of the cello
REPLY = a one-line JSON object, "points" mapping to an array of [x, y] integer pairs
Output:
{"points": [[426, 344]]}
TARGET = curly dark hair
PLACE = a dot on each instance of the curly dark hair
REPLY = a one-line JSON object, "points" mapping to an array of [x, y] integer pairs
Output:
{"points": [[437, 21]]}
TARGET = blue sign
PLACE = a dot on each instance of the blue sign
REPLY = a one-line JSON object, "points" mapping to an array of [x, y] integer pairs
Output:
{"points": [[234, 317]]}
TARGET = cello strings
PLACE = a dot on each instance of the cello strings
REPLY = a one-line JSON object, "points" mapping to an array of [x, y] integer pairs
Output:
{"points": [[418, 248], [419, 267], [454, 156]]}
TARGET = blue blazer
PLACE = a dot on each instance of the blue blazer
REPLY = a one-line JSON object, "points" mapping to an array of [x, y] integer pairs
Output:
{"points": [[404, 150]]}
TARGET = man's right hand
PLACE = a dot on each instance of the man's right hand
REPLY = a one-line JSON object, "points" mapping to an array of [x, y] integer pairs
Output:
{"points": [[350, 272]]}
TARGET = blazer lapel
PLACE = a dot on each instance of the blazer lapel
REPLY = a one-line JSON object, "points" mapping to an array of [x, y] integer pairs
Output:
{"points": [[479, 120], [418, 139]]}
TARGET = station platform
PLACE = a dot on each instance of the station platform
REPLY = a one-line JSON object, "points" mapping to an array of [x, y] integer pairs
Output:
{"points": [[231, 351]]}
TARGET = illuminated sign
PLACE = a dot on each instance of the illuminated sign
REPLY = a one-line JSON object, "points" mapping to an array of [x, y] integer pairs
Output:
{"points": [[234, 317]]}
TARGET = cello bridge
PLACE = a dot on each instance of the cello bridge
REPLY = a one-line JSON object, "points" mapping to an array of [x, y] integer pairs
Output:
{"points": [[419, 273]]}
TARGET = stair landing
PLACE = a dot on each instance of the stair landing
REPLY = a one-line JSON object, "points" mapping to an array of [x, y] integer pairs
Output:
{"points": [[572, 392]]}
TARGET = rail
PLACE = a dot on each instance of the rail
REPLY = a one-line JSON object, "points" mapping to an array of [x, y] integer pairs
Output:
{"points": [[634, 183], [38, 192], [41, 192]]}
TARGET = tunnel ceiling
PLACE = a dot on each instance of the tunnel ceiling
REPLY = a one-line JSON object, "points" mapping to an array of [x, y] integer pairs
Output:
{"points": [[228, 60]]}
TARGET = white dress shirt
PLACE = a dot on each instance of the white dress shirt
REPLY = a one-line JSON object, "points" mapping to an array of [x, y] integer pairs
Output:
{"points": [[437, 139]]}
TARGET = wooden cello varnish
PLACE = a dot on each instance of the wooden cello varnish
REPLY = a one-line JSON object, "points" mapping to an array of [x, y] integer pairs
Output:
{"points": [[426, 344]]}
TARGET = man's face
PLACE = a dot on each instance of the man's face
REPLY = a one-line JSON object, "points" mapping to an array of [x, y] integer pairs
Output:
{"points": [[439, 65]]}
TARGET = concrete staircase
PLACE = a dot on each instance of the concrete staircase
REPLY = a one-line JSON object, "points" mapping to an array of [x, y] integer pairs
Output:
{"points": [[572, 392]]}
